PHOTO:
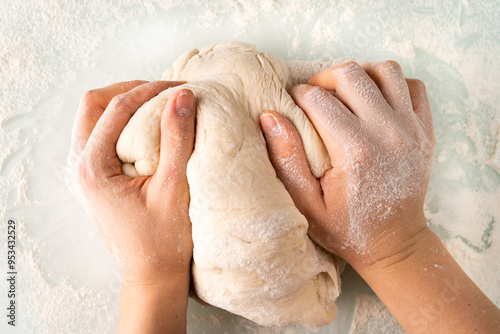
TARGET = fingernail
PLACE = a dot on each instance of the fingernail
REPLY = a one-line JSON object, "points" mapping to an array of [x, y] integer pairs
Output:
{"points": [[270, 126], [299, 89], [185, 105]]}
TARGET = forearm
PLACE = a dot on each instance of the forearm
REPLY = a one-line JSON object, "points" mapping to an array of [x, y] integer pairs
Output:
{"points": [[154, 307], [428, 292]]}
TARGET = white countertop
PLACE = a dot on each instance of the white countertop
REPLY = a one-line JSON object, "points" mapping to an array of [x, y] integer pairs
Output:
{"points": [[53, 51]]}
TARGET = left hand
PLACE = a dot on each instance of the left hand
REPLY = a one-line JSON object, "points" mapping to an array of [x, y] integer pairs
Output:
{"points": [[144, 220]]}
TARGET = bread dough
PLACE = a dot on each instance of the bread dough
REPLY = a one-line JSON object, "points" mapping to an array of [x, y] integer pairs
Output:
{"points": [[252, 255]]}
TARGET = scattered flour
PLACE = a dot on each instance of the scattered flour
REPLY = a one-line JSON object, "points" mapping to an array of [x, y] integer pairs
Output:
{"points": [[452, 47], [371, 316], [480, 264], [55, 308]]}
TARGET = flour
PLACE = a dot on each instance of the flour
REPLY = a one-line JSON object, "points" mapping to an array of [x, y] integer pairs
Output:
{"points": [[473, 236], [371, 316], [61, 307], [384, 165], [396, 180], [474, 262]]}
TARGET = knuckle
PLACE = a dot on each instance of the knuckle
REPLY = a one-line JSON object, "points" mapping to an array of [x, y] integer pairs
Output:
{"points": [[361, 147], [420, 84], [179, 136], [397, 139], [89, 176], [120, 101], [388, 66], [416, 85], [391, 64], [285, 156], [84, 176], [350, 67], [313, 94], [285, 159], [285, 165], [361, 154], [429, 145], [135, 83], [317, 98], [90, 98]]}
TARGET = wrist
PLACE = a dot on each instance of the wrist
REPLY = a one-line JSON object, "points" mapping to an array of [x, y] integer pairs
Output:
{"points": [[133, 275], [427, 291], [155, 291], [404, 237], [154, 304], [170, 287], [401, 254]]}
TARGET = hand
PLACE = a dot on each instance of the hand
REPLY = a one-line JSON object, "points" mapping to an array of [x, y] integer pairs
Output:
{"points": [[377, 128], [144, 220], [368, 208]]}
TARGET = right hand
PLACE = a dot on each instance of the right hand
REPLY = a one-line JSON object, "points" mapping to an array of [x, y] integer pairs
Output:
{"points": [[377, 128]]}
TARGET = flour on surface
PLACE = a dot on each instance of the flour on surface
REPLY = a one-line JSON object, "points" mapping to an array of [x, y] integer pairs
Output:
{"points": [[372, 317], [63, 48]]}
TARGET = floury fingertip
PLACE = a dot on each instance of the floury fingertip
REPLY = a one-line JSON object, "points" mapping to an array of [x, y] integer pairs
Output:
{"points": [[270, 125], [185, 104]]}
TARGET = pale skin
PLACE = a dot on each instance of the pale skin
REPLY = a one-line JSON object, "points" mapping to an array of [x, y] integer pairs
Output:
{"points": [[145, 222], [403, 261]]}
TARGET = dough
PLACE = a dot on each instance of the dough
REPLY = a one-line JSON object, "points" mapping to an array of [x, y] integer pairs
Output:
{"points": [[252, 255]]}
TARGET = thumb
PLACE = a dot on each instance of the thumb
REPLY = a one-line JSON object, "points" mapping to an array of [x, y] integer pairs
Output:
{"points": [[176, 135], [289, 159]]}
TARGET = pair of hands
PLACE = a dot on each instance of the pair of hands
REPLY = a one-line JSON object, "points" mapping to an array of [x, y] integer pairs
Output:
{"points": [[377, 129], [368, 208]]}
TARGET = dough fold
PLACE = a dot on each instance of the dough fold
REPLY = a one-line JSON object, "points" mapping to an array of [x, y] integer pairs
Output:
{"points": [[252, 255]]}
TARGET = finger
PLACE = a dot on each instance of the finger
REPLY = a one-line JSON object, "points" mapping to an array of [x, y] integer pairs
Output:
{"points": [[289, 160], [336, 125], [176, 136], [102, 141], [420, 104], [354, 88], [389, 78], [91, 107]]}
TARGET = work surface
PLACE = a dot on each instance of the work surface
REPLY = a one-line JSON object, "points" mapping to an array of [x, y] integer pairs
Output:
{"points": [[52, 51]]}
